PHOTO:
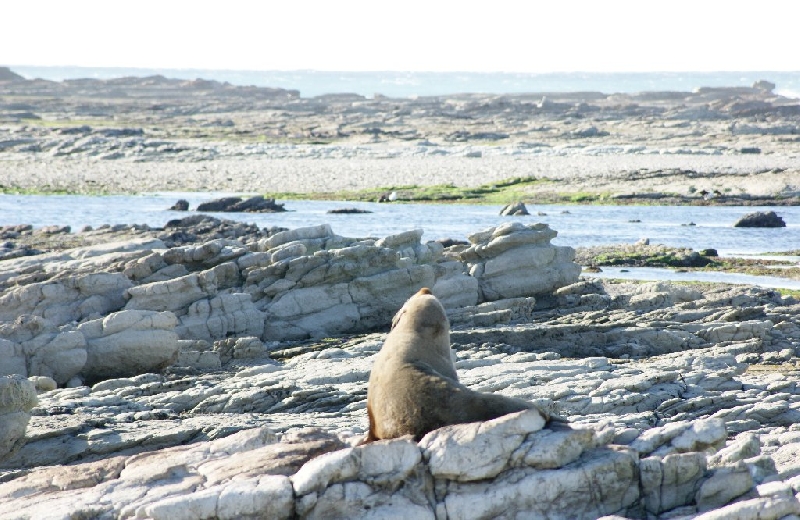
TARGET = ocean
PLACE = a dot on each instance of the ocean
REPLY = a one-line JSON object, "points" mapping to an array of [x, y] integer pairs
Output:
{"points": [[408, 83]]}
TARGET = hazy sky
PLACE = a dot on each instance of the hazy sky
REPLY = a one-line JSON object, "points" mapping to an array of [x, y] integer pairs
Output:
{"points": [[492, 35]]}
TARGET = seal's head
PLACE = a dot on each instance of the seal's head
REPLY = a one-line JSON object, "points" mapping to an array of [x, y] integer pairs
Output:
{"points": [[423, 314]]}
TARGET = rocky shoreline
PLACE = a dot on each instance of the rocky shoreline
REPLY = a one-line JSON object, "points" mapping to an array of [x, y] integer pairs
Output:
{"points": [[219, 371], [132, 135], [215, 369]]}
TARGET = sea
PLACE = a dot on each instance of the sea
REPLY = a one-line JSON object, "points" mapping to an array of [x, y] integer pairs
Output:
{"points": [[405, 84]]}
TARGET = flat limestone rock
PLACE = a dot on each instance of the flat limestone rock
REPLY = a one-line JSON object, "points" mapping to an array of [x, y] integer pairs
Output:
{"points": [[681, 400], [17, 397]]}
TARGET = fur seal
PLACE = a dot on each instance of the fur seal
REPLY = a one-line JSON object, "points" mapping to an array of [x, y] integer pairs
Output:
{"points": [[413, 386]]}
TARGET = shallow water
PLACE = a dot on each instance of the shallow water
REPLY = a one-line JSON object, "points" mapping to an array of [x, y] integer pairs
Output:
{"points": [[672, 275], [577, 225]]}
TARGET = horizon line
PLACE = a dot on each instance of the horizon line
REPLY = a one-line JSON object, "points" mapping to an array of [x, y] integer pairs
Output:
{"points": [[405, 71]]}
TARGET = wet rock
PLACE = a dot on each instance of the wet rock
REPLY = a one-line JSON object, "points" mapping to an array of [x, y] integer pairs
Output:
{"points": [[760, 219], [348, 211], [181, 205], [255, 204], [514, 209]]}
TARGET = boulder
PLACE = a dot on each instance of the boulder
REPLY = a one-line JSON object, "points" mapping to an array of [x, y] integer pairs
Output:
{"points": [[255, 204], [178, 293], [205, 255], [348, 211], [17, 397], [60, 355], [760, 219], [450, 474], [514, 260], [12, 359], [323, 231], [129, 342], [514, 209], [181, 205]]}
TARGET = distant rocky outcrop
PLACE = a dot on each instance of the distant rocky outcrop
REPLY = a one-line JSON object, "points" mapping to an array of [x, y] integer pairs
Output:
{"points": [[255, 204], [765, 85], [6, 74], [761, 219]]}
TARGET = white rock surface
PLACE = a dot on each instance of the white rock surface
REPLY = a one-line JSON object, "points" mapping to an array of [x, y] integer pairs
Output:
{"points": [[682, 401], [514, 260], [17, 397], [129, 342]]}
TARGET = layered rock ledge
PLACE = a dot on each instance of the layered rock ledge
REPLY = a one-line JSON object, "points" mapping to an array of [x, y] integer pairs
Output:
{"points": [[166, 389]]}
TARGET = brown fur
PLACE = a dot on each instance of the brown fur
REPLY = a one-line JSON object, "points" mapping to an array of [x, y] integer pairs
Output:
{"points": [[413, 386]]}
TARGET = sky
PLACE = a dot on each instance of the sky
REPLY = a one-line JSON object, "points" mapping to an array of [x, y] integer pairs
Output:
{"points": [[406, 35]]}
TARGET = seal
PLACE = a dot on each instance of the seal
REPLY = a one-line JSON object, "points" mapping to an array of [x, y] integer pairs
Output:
{"points": [[413, 386]]}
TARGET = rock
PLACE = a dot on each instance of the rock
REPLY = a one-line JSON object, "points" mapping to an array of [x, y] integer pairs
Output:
{"points": [[179, 293], [322, 231], [671, 481], [478, 451], [222, 316], [589, 131], [528, 492], [255, 204], [504, 260], [43, 383], [765, 85], [348, 211], [654, 378], [725, 485], [181, 205], [515, 209], [57, 355], [6, 74], [129, 342], [760, 219], [17, 397], [68, 299], [243, 475], [750, 150], [12, 359]]}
